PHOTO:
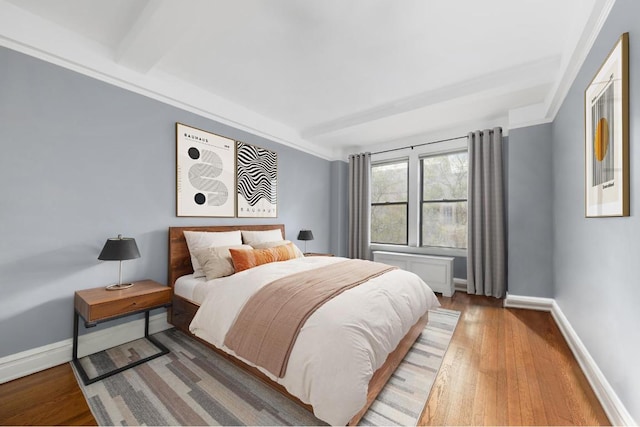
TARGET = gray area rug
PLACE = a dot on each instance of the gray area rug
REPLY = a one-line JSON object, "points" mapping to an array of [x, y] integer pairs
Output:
{"points": [[192, 385]]}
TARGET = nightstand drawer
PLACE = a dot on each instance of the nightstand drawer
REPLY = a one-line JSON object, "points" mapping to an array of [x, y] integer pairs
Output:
{"points": [[99, 304], [128, 305]]}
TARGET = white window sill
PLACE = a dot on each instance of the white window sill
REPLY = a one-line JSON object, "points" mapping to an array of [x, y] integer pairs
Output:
{"points": [[419, 250]]}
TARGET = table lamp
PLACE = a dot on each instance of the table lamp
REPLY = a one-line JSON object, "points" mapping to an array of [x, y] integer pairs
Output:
{"points": [[305, 235], [119, 249]]}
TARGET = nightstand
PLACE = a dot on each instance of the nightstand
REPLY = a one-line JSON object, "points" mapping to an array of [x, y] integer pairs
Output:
{"points": [[316, 254], [100, 305]]}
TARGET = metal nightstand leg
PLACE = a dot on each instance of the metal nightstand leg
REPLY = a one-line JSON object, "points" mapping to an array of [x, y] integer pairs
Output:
{"points": [[83, 374]]}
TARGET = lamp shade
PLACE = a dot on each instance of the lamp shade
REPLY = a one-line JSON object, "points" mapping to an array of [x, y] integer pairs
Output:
{"points": [[305, 235], [119, 249]]}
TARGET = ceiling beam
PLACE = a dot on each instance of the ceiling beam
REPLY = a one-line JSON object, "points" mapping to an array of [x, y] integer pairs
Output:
{"points": [[160, 26], [520, 77]]}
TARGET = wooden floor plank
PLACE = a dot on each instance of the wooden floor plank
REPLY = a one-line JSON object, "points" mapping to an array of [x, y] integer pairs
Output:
{"points": [[525, 373], [50, 397], [503, 367]]}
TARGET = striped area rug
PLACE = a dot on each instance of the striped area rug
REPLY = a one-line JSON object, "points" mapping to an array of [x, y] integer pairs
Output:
{"points": [[192, 385]]}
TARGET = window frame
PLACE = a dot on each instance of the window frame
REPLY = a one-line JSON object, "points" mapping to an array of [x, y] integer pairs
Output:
{"points": [[372, 204], [422, 202], [414, 154]]}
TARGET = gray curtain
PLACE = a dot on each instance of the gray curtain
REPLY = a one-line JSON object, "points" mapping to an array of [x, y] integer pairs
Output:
{"points": [[359, 205], [486, 258]]}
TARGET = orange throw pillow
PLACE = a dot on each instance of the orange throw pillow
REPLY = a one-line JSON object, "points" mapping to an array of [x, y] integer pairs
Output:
{"points": [[246, 259]]}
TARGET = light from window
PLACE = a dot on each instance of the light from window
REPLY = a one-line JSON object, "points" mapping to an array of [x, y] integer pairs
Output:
{"points": [[444, 200], [389, 207]]}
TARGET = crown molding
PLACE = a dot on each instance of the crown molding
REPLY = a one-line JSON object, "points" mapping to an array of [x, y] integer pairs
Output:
{"points": [[530, 115], [460, 130], [124, 67], [34, 36], [596, 20], [545, 112]]}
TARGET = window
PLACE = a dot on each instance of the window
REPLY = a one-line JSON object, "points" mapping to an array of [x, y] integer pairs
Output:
{"points": [[419, 199], [443, 220], [389, 202]]}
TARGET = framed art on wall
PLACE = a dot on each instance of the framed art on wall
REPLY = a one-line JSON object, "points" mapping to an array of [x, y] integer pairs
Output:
{"points": [[257, 189], [607, 136], [205, 173]]}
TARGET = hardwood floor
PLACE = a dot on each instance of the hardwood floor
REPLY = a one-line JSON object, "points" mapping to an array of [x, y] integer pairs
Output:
{"points": [[508, 367], [503, 367], [50, 397]]}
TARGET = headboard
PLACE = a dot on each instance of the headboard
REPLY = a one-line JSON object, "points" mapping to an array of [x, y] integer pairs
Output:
{"points": [[179, 258]]}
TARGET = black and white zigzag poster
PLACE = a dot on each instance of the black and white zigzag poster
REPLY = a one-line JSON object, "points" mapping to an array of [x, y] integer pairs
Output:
{"points": [[205, 173], [257, 182]]}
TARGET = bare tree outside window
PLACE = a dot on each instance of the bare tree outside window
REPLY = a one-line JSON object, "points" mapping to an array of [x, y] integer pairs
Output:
{"points": [[444, 200], [389, 202]]}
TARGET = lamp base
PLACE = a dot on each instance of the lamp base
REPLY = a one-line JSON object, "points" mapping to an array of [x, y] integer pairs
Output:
{"points": [[119, 286]]}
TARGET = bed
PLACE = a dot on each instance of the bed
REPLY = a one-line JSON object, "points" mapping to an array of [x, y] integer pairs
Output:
{"points": [[300, 383]]}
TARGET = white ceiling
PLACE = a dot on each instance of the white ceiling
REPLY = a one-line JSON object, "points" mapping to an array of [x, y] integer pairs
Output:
{"points": [[327, 76]]}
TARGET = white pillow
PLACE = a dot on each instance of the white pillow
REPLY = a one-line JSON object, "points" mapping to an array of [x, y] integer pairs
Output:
{"points": [[207, 239], [266, 245], [216, 262], [254, 237]]}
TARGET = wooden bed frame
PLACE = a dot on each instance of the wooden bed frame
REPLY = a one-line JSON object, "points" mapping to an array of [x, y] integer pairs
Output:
{"points": [[182, 311]]}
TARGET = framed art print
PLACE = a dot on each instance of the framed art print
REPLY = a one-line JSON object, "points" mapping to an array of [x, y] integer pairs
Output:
{"points": [[257, 189], [205, 173], [607, 136]]}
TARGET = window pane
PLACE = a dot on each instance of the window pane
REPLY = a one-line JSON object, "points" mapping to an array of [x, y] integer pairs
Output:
{"points": [[389, 182], [445, 177], [444, 224], [389, 224]]}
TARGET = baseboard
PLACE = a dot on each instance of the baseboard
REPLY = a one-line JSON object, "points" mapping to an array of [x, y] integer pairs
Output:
{"points": [[528, 303], [30, 361], [613, 407], [460, 284]]}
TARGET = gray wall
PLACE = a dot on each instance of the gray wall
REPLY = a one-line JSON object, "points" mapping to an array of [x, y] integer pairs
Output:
{"points": [[596, 259], [83, 161], [530, 219], [460, 267]]}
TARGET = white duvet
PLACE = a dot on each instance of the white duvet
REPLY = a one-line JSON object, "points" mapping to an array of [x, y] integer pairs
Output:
{"points": [[340, 346]]}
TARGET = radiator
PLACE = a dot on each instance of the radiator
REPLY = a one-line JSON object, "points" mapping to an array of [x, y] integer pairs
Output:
{"points": [[436, 271]]}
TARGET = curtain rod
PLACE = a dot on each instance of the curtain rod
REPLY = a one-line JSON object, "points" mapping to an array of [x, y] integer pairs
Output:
{"points": [[419, 145]]}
